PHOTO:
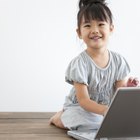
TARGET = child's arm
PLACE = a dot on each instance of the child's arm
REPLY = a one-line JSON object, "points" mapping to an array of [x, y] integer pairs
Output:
{"points": [[121, 83], [131, 82], [85, 101]]}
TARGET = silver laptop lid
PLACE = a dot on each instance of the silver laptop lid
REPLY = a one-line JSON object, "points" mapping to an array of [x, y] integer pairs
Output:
{"points": [[123, 116]]}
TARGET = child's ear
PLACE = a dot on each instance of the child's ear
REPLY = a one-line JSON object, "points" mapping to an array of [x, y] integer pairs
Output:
{"points": [[78, 33], [111, 28]]}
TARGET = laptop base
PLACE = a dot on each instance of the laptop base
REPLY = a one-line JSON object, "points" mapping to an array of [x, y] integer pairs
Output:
{"points": [[90, 135]]}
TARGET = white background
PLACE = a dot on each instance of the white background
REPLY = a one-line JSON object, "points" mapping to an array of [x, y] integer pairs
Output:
{"points": [[38, 40]]}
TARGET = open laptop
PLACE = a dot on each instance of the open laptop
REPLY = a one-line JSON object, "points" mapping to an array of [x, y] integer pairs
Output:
{"points": [[122, 120]]}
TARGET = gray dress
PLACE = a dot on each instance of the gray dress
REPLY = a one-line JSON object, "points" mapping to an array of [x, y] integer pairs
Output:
{"points": [[100, 83]]}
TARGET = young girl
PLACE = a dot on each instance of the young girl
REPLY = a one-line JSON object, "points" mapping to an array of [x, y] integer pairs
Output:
{"points": [[95, 74]]}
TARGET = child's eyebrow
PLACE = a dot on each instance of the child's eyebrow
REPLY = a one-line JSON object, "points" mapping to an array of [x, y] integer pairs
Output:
{"points": [[86, 21]]}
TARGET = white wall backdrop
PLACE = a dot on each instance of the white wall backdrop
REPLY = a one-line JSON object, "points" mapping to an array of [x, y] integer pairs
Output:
{"points": [[38, 40]]}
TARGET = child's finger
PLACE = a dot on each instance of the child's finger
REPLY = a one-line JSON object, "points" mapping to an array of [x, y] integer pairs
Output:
{"points": [[130, 79], [136, 81]]}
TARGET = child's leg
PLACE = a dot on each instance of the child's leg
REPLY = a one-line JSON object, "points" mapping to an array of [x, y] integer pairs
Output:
{"points": [[56, 120]]}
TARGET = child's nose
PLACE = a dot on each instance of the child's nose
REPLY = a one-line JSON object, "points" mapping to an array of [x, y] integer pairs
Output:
{"points": [[95, 30]]}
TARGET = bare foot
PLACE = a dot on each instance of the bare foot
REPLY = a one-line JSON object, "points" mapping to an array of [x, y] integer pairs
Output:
{"points": [[51, 120], [56, 120]]}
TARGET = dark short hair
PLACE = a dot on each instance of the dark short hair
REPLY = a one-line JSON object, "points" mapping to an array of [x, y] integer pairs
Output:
{"points": [[93, 10]]}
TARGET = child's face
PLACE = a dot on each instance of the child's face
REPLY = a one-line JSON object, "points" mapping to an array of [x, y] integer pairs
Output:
{"points": [[95, 33]]}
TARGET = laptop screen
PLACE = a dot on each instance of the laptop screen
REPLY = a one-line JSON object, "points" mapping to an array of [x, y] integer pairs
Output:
{"points": [[123, 116]]}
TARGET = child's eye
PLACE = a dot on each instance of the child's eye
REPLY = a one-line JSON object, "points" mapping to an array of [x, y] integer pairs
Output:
{"points": [[101, 24], [87, 25]]}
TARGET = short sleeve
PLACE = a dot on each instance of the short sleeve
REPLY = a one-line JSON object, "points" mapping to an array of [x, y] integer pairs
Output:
{"points": [[123, 69], [76, 72]]}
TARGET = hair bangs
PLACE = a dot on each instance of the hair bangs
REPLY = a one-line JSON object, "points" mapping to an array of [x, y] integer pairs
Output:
{"points": [[95, 13]]}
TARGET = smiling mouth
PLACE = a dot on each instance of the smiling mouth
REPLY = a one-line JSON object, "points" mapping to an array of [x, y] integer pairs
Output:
{"points": [[95, 38]]}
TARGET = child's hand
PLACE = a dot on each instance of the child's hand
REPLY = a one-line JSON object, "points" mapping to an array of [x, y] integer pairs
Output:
{"points": [[132, 82]]}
